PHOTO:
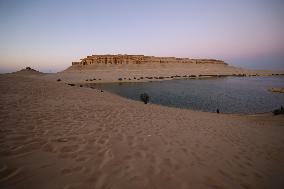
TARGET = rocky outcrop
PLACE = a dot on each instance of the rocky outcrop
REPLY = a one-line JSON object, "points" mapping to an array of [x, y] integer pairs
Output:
{"points": [[140, 59]]}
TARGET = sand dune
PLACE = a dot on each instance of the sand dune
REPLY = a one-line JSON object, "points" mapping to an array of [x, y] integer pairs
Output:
{"points": [[57, 136]]}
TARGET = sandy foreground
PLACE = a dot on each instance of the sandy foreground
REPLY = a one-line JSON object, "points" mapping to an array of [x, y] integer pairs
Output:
{"points": [[57, 136]]}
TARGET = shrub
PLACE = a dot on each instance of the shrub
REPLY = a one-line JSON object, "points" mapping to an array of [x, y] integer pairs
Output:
{"points": [[81, 85], [279, 111], [144, 97], [120, 79], [141, 77], [58, 80], [71, 84]]}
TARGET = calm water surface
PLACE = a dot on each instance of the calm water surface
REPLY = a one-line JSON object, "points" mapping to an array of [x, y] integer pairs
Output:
{"points": [[228, 94]]}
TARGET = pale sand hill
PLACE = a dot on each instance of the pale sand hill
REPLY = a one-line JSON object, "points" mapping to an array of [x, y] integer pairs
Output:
{"points": [[111, 72], [56, 136]]}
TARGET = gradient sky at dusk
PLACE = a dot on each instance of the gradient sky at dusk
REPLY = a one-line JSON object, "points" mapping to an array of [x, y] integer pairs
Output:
{"points": [[49, 34]]}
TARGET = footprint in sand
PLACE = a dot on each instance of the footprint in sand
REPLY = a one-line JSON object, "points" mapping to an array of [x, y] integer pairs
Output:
{"points": [[258, 175], [79, 185], [243, 174], [69, 148], [68, 155], [246, 186], [49, 147], [68, 171], [170, 163], [101, 141], [224, 173], [7, 173], [81, 159], [107, 157], [139, 154], [214, 183], [184, 150], [130, 140]]}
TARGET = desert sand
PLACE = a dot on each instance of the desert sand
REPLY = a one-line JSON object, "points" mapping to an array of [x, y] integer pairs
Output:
{"points": [[53, 135]]}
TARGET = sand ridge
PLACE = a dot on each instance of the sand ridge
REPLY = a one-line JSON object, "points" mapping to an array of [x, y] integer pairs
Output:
{"points": [[58, 136]]}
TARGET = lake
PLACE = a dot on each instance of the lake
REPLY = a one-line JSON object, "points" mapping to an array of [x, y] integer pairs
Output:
{"points": [[228, 94]]}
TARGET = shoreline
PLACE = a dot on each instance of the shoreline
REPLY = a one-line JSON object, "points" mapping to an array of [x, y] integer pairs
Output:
{"points": [[268, 113], [48, 76], [86, 85], [101, 82], [145, 80]]}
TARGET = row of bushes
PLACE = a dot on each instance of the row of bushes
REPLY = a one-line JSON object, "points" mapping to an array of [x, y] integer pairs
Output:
{"points": [[94, 79], [160, 77]]}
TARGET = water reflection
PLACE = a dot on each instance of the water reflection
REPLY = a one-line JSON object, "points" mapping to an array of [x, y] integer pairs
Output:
{"points": [[228, 94]]}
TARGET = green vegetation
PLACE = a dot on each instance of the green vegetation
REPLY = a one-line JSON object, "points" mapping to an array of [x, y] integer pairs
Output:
{"points": [[145, 98], [279, 111]]}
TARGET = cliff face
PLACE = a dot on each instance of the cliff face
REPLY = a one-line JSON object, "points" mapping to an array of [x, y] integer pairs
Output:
{"points": [[140, 59]]}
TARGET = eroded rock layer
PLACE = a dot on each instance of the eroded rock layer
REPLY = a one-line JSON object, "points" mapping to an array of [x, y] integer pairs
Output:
{"points": [[140, 59]]}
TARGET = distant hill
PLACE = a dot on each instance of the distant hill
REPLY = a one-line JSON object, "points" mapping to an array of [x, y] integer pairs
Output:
{"points": [[28, 71]]}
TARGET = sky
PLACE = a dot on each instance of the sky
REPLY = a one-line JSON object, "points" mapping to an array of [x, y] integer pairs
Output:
{"points": [[49, 34]]}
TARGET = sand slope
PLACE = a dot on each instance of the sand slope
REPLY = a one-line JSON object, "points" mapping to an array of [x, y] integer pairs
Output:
{"points": [[57, 136]]}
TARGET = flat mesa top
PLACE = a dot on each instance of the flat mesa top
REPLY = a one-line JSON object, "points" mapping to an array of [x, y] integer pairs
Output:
{"points": [[138, 59]]}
